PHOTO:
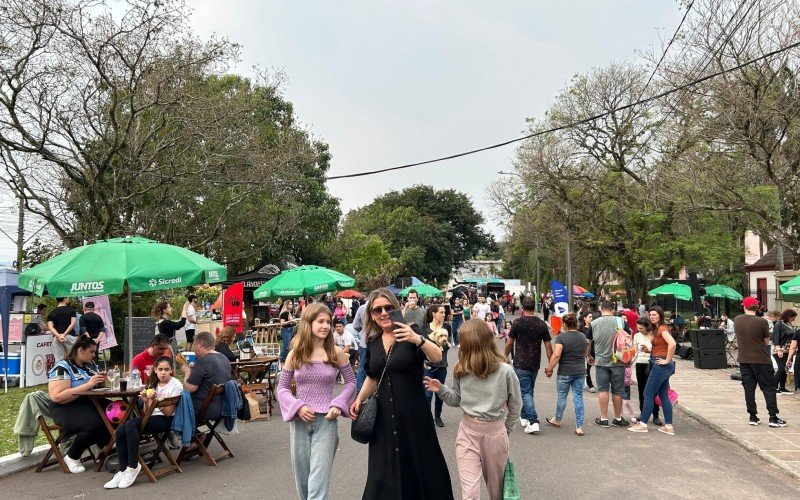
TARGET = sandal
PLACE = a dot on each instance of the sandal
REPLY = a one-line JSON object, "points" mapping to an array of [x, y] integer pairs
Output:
{"points": [[552, 422], [579, 431]]}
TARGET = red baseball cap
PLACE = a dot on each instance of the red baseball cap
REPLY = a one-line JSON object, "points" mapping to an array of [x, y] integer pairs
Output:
{"points": [[749, 302]]}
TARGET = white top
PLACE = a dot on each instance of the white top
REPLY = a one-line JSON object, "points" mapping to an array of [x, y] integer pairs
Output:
{"points": [[344, 340], [191, 313], [641, 356], [171, 389], [482, 309]]}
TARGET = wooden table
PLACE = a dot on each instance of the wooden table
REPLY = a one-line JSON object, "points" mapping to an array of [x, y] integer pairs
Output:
{"points": [[258, 370], [266, 333], [130, 396]]}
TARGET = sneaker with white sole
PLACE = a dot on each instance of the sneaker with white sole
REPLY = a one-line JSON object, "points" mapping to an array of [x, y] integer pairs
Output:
{"points": [[129, 476], [532, 428], [638, 427], [114, 483], [592, 390], [74, 466], [524, 422], [776, 422]]}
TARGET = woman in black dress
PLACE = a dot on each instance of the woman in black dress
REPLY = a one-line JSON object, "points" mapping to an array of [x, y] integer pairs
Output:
{"points": [[405, 459], [162, 312]]}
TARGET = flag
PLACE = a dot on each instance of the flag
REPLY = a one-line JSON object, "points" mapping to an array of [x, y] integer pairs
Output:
{"points": [[560, 298], [232, 305]]}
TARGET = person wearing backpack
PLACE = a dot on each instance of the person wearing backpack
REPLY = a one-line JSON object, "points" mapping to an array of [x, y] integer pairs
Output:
{"points": [[662, 366], [610, 371]]}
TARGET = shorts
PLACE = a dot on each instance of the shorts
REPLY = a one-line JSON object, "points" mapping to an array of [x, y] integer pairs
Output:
{"points": [[613, 376], [189, 336]]}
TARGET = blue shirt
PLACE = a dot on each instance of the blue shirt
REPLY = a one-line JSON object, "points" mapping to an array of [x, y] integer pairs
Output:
{"points": [[77, 375]]}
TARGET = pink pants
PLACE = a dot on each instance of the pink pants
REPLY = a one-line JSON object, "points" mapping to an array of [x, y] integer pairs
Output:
{"points": [[481, 449]]}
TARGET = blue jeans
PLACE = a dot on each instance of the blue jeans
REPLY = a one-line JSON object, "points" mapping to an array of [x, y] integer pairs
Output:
{"points": [[527, 381], [361, 376], [658, 383], [439, 374], [313, 446], [286, 338], [564, 383], [457, 320]]}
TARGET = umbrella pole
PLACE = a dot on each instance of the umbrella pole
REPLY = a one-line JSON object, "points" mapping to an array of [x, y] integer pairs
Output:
{"points": [[130, 325]]}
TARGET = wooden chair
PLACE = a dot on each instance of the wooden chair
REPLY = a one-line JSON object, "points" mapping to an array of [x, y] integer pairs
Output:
{"points": [[203, 440], [54, 455], [257, 381], [156, 442]]}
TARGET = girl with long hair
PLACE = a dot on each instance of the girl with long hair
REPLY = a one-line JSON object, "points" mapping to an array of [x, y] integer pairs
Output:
{"points": [[288, 322], [438, 332], [160, 385], [162, 312], [569, 353], [782, 334], [643, 343], [314, 363], [484, 385], [662, 366], [405, 460]]}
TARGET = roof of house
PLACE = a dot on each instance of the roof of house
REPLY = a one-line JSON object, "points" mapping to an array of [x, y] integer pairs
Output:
{"points": [[769, 261]]}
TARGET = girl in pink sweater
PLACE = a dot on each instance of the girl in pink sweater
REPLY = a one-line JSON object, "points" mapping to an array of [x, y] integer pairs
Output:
{"points": [[314, 362]]}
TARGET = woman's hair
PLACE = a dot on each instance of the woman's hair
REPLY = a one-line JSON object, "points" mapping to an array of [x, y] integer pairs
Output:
{"points": [[431, 311], [302, 346], [370, 326], [570, 321], [82, 342], [478, 353], [226, 335], [285, 304], [152, 380], [645, 323], [488, 318], [660, 316], [158, 310], [788, 315]]}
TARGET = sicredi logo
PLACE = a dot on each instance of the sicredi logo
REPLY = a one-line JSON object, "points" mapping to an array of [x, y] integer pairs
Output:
{"points": [[88, 286], [164, 281]]}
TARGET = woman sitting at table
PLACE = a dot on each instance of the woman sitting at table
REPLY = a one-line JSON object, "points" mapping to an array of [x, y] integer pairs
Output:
{"points": [[77, 414], [224, 339], [160, 385]]}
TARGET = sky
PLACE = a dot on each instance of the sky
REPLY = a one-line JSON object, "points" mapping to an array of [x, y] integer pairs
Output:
{"points": [[388, 83]]}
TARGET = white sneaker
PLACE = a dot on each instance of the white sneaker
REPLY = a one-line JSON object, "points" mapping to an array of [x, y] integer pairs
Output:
{"points": [[592, 390], [74, 466], [114, 483], [129, 476], [524, 422], [532, 428]]}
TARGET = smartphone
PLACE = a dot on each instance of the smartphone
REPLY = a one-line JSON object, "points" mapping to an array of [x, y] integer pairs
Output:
{"points": [[397, 317]]}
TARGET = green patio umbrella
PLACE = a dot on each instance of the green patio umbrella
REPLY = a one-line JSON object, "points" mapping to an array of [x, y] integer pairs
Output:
{"points": [[722, 292], [104, 267], [423, 289], [677, 290], [302, 281], [791, 289]]}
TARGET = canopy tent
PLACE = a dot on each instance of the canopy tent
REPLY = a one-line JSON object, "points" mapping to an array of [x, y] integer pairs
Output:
{"points": [[302, 281], [107, 266], [8, 288], [350, 294], [791, 289], [423, 290], [581, 292], [258, 276]]}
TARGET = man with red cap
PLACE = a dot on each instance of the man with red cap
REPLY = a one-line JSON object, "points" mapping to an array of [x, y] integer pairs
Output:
{"points": [[752, 336]]}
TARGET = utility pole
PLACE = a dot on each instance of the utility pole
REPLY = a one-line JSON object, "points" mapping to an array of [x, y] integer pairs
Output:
{"points": [[569, 275], [20, 225]]}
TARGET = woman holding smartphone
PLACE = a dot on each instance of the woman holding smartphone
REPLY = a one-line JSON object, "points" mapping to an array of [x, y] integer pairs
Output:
{"points": [[405, 460]]}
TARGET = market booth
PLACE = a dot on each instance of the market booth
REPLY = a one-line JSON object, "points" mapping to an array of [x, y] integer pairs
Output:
{"points": [[19, 350]]}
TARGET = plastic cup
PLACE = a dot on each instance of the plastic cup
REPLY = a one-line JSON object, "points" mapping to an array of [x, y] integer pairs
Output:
{"points": [[123, 385]]}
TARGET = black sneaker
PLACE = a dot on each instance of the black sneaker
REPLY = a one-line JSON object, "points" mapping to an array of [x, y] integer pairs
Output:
{"points": [[601, 422], [620, 422], [657, 421], [776, 422], [754, 421], [438, 422]]}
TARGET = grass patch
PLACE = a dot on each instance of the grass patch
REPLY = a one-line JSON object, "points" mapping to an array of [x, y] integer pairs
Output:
{"points": [[9, 408]]}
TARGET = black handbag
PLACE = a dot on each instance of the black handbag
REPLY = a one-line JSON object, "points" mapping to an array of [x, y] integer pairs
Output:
{"points": [[363, 426]]}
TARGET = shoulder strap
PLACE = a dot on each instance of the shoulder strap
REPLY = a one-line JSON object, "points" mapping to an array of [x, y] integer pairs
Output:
{"points": [[388, 357]]}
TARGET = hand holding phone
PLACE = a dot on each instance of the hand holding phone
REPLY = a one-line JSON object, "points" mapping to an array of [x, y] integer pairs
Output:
{"points": [[397, 317]]}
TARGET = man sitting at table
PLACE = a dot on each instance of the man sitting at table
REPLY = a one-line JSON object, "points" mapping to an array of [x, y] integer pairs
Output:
{"points": [[210, 369], [158, 347]]}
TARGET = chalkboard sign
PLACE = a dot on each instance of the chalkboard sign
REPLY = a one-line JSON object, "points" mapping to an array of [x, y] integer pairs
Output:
{"points": [[144, 329]]}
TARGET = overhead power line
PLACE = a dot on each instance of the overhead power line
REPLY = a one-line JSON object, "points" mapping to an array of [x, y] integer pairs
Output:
{"points": [[575, 123]]}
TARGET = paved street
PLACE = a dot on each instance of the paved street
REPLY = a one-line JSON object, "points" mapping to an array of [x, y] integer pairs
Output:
{"points": [[605, 463]]}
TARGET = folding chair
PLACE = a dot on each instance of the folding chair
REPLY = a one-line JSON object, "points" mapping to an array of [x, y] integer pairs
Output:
{"points": [[55, 450], [155, 442], [202, 441]]}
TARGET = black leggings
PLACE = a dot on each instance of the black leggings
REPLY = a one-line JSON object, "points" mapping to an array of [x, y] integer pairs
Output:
{"points": [[80, 418], [780, 373], [589, 376], [642, 374], [128, 438]]}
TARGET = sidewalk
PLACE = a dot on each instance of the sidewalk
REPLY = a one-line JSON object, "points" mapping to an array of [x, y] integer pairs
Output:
{"points": [[711, 397]]}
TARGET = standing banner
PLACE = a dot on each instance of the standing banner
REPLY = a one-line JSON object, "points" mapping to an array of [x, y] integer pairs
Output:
{"points": [[560, 298], [103, 309], [232, 305], [40, 358]]}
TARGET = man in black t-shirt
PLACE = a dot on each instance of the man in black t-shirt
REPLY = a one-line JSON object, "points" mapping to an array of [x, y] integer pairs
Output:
{"points": [[61, 322], [527, 334], [92, 324]]}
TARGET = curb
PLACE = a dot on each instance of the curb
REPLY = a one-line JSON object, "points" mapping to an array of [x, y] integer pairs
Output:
{"points": [[741, 442], [11, 464]]}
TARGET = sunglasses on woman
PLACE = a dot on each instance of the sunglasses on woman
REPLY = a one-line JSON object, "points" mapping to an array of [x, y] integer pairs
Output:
{"points": [[381, 309]]}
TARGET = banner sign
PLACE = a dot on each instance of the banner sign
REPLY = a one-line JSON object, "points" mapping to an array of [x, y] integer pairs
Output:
{"points": [[232, 305], [560, 298], [40, 357], [103, 309]]}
